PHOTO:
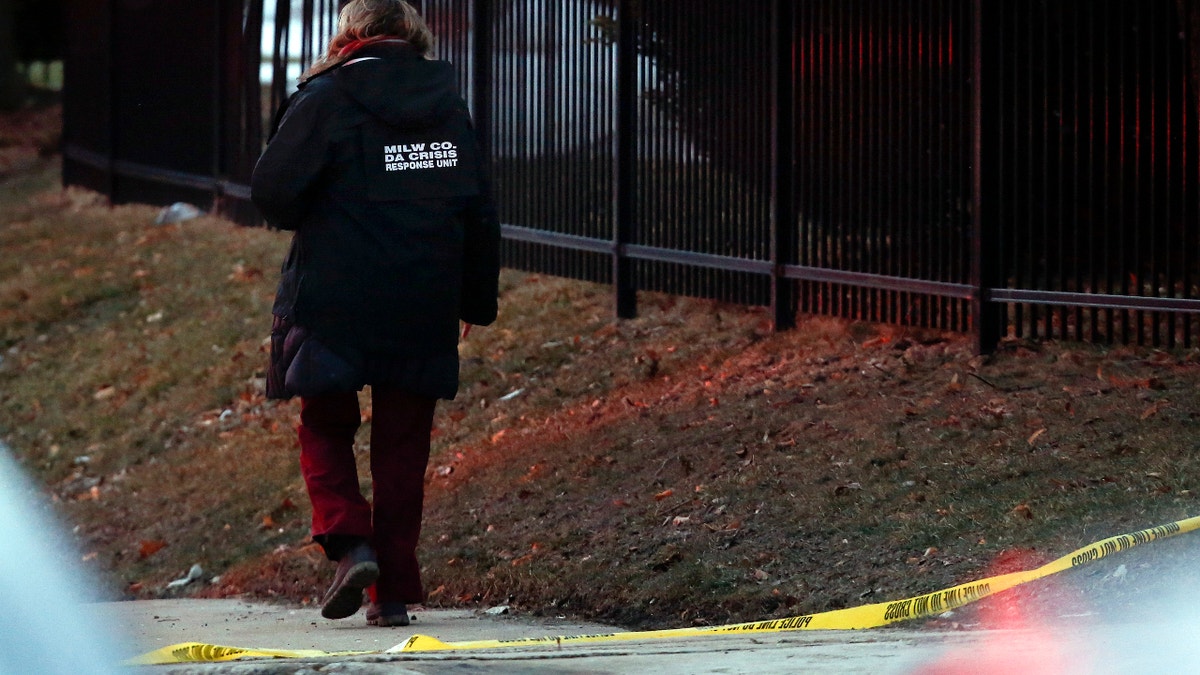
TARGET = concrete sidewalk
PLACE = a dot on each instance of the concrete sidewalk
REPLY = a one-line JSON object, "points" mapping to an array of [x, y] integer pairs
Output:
{"points": [[150, 624], [1079, 645]]}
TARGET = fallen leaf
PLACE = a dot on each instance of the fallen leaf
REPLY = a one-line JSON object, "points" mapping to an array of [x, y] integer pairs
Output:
{"points": [[1154, 409], [149, 547], [1023, 511], [680, 520], [1036, 434], [663, 495]]}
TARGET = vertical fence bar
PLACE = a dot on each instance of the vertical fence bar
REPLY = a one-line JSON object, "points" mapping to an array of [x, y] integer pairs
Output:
{"points": [[253, 86], [1168, 270], [1107, 182], [1092, 276], [219, 154], [783, 146], [624, 168], [1076, 274], [1189, 93], [987, 318], [481, 95], [307, 33], [114, 96], [279, 57]]}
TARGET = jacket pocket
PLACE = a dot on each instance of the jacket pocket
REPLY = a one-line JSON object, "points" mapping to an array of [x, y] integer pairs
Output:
{"points": [[286, 339], [316, 369]]}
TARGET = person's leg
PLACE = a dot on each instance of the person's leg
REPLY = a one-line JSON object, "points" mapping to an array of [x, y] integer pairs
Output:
{"points": [[400, 428], [340, 513], [341, 516]]}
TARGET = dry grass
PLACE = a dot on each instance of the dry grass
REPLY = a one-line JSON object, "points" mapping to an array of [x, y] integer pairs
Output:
{"points": [[685, 467]]}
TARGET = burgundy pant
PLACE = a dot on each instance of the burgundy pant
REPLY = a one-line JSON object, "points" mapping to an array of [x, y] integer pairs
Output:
{"points": [[400, 428]]}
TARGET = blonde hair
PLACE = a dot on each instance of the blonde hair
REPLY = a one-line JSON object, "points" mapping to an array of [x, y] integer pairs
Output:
{"points": [[366, 19]]}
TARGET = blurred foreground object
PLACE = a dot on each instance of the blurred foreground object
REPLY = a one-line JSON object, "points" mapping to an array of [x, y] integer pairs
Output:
{"points": [[44, 627]]}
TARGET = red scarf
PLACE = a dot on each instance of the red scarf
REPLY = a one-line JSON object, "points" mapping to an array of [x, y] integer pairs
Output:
{"points": [[356, 45]]}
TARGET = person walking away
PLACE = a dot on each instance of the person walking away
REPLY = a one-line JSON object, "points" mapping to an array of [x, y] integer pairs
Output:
{"points": [[375, 167]]}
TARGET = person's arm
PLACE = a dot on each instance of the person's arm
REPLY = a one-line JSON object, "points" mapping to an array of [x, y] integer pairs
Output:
{"points": [[292, 162], [481, 250], [481, 258]]}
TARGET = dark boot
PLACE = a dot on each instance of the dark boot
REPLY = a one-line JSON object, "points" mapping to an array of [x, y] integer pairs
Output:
{"points": [[356, 570], [387, 614]]}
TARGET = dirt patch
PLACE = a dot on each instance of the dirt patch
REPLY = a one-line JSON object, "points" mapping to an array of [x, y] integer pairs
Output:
{"points": [[687, 467]]}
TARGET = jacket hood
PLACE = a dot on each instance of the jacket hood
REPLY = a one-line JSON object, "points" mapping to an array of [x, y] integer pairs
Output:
{"points": [[399, 86]]}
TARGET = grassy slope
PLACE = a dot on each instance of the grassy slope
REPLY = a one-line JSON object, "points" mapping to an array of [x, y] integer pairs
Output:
{"points": [[124, 343], [688, 466]]}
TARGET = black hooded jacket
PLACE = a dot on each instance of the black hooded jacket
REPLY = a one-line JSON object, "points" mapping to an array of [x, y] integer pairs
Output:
{"points": [[376, 167]]}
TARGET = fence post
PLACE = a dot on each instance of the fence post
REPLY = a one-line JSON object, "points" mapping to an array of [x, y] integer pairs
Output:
{"points": [[252, 143], [219, 115], [783, 226], [625, 148], [987, 317], [113, 93], [279, 58], [482, 77]]}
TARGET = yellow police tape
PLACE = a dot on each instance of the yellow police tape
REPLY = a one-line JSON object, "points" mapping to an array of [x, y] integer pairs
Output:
{"points": [[865, 616]]}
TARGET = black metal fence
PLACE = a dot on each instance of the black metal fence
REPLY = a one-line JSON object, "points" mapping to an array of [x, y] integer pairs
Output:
{"points": [[159, 102], [1092, 162], [885, 160]]}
